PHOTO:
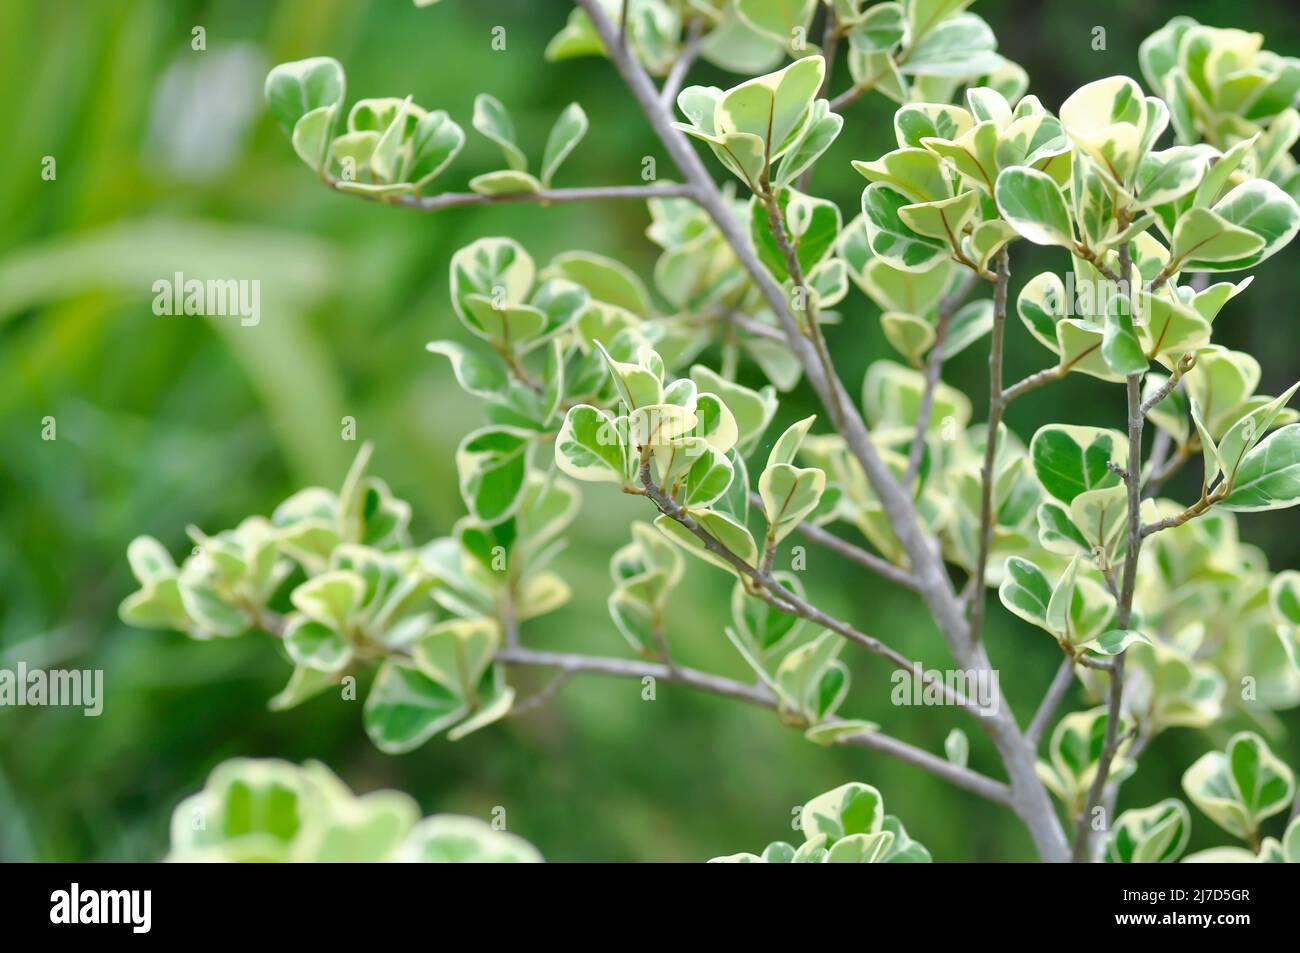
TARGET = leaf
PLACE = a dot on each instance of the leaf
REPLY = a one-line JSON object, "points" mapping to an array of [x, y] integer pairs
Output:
{"points": [[589, 447], [604, 278], [811, 227], [849, 809], [492, 463], [1246, 433], [497, 268], [435, 142], [752, 410], [1269, 475], [311, 137], [405, 708], [1163, 177], [493, 120], [789, 494], [765, 627], [330, 598], [823, 128], [1115, 642], [1203, 237], [1025, 591], [1152, 835], [777, 19], [957, 747], [565, 135], [1242, 787], [890, 238], [314, 646], [960, 47], [772, 107], [457, 653], [505, 182], [476, 376], [916, 173], [1169, 327], [1256, 207], [1071, 460], [295, 89], [1032, 203]]}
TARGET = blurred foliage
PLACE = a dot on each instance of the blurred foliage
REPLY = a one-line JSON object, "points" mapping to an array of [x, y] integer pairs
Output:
{"points": [[166, 162]]}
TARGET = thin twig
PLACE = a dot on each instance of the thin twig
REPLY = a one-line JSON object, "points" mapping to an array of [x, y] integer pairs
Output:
{"points": [[855, 554], [685, 60], [997, 403], [783, 599], [1052, 699], [934, 366], [755, 694], [446, 200], [1123, 612]]}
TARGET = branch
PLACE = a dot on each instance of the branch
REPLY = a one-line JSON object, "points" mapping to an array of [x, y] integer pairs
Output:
{"points": [[855, 554], [1123, 613], [572, 664], [933, 368], [1029, 797], [779, 597], [446, 200], [997, 403], [677, 75], [1051, 701]]}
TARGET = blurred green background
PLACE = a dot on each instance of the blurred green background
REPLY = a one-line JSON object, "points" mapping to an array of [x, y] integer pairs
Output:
{"points": [[167, 162]]}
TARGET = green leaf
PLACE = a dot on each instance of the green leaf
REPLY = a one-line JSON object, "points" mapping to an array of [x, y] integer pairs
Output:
{"points": [[405, 708], [889, 236], [789, 494], [822, 129], [314, 646], [457, 653], [777, 19], [476, 376], [957, 747], [1256, 207], [434, 143], [504, 182], [295, 89], [960, 47], [565, 135], [447, 839], [330, 598], [1152, 835], [493, 120], [1071, 460], [1203, 238], [604, 278], [492, 463], [849, 809], [772, 107], [497, 268], [1033, 204], [1269, 475], [1115, 642], [1026, 591], [589, 446], [1242, 787], [752, 410]]}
